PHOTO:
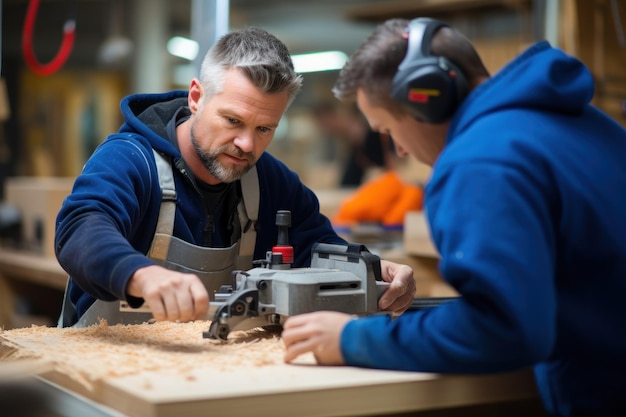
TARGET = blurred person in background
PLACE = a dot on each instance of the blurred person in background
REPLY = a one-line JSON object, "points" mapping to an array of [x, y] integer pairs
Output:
{"points": [[366, 149]]}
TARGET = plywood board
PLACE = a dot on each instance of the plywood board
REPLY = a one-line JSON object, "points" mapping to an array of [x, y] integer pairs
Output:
{"points": [[416, 239], [168, 369]]}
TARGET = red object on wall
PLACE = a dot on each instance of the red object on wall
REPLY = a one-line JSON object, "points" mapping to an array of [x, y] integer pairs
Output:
{"points": [[57, 62]]}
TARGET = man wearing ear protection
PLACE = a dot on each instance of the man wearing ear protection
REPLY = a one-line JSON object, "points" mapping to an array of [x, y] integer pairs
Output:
{"points": [[525, 205]]}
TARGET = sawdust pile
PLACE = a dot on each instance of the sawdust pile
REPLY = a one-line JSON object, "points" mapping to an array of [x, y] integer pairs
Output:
{"points": [[101, 351]]}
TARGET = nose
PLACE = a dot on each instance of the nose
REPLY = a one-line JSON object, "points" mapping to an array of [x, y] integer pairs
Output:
{"points": [[245, 142]]}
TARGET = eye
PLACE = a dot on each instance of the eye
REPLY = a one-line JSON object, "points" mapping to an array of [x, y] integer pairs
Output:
{"points": [[264, 129], [232, 120]]}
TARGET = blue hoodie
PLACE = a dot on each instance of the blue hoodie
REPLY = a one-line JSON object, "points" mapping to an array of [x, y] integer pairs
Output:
{"points": [[105, 227], [527, 207]]}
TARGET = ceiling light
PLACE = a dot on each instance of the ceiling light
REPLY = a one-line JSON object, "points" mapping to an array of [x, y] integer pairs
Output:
{"points": [[183, 47], [309, 62], [319, 61], [115, 49]]}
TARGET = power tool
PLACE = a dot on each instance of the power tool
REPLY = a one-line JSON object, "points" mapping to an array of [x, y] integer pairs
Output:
{"points": [[345, 278]]}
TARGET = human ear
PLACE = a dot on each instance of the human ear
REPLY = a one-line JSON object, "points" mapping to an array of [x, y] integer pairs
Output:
{"points": [[195, 96]]}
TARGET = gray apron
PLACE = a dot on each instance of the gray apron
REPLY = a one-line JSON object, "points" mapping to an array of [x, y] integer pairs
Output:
{"points": [[212, 265]]}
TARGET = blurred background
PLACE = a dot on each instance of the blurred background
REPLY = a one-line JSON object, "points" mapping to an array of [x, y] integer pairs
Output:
{"points": [[51, 123], [55, 111]]}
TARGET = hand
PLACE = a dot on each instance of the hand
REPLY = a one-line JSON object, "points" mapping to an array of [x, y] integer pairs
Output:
{"points": [[399, 296], [170, 295], [318, 332]]}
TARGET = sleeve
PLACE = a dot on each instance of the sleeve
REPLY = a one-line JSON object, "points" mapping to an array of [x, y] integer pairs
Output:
{"points": [[282, 189], [493, 227], [103, 214]]}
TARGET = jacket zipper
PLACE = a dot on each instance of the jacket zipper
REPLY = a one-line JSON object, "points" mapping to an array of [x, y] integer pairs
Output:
{"points": [[209, 225]]}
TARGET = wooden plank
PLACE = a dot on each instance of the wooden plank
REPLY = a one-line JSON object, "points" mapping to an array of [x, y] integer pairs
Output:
{"points": [[6, 304], [10, 371], [33, 276], [288, 390], [416, 238], [167, 369], [38, 269]]}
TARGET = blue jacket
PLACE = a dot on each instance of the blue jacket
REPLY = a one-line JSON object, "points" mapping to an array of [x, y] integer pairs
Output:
{"points": [[527, 207], [105, 227]]}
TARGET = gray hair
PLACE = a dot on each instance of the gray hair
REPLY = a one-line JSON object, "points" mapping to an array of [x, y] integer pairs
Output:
{"points": [[262, 57]]}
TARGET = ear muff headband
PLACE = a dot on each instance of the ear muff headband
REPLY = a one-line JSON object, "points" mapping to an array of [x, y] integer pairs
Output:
{"points": [[431, 87]]}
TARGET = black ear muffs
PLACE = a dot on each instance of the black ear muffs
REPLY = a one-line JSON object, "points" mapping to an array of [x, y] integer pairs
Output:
{"points": [[431, 87]]}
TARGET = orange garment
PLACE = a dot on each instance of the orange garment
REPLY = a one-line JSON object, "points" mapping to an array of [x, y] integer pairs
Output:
{"points": [[384, 200]]}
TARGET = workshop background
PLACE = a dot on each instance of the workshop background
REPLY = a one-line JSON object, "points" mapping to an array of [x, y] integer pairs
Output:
{"points": [[55, 111], [53, 118]]}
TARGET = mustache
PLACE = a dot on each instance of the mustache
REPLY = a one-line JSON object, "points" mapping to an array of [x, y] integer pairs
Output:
{"points": [[236, 152], [210, 158]]}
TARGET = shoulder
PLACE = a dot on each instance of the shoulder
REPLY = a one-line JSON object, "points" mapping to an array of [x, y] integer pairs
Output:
{"points": [[123, 154]]}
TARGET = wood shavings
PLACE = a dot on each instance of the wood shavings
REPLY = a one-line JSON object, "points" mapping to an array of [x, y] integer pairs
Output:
{"points": [[100, 351]]}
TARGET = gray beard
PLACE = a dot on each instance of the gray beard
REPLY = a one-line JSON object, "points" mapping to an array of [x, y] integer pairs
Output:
{"points": [[215, 168]]}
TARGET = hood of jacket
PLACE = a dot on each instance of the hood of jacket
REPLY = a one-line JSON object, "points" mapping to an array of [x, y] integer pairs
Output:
{"points": [[149, 114], [542, 79]]}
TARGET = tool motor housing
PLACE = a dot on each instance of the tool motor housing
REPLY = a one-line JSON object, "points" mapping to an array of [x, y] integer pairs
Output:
{"points": [[343, 278]]}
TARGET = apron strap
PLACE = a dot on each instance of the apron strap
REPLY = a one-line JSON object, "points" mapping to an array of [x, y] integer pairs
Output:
{"points": [[248, 211], [165, 224]]}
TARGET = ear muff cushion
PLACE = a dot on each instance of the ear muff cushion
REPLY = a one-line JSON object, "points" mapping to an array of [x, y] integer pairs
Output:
{"points": [[430, 87]]}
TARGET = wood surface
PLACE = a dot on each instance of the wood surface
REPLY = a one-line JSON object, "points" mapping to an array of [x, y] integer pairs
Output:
{"points": [[416, 237], [31, 267], [168, 369], [38, 279]]}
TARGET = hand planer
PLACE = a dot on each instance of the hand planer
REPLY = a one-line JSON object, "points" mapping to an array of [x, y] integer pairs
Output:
{"points": [[344, 278]]}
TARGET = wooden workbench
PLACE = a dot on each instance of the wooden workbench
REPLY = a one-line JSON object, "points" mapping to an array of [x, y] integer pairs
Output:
{"points": [[233, 382], [35, 276], [38, 269], [168, 369]]}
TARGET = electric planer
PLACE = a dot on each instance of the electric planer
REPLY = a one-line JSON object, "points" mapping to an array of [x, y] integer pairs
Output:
{"points": [[344, 278]]}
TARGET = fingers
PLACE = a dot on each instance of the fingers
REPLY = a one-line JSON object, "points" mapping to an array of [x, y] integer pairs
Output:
{"points": [[175, 296], [297, 321], [401, 303], [173, 305], [400, 294], [319, 333], [298, 341], [200, 298], [156, 307]]}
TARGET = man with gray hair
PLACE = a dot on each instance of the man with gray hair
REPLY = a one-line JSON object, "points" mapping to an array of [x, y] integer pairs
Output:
{"points": [[184, 193]]}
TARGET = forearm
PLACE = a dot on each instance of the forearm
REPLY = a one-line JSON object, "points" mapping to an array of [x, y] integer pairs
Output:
{"points": [[451, 338], [97, 256]]}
